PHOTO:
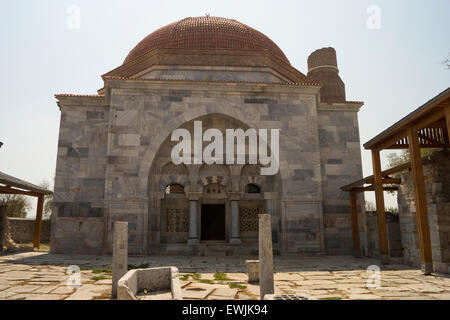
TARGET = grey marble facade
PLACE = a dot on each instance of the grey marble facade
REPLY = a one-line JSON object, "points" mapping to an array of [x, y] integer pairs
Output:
{"points": [[113, 151]]}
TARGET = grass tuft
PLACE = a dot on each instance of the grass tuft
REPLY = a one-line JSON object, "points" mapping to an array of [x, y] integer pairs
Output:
{"points": [[140, 266], [96, 278], [96, 271], [206, 281], [184, 277], [237, 286], [221, 276], [194, 276]]}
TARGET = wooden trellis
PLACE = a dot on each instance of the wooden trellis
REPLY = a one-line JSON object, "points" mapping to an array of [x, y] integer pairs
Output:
{"points": [[426, 127]]}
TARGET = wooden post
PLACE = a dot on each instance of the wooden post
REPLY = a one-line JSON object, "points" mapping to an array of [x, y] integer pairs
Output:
{"points": [[423, 228], [355, 225], [38, 222], [381, 214], [3, 225], [447, 121]]}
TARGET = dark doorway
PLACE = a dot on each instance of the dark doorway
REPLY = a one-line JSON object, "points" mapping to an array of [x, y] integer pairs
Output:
{"points": [[213, 222]]}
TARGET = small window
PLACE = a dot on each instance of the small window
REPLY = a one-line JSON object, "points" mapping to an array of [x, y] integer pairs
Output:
{"points": [[252, 188], [174, 188]]}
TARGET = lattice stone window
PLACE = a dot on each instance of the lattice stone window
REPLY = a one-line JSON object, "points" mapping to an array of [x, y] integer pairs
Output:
{"points": [[177, 220], [248, 219]]}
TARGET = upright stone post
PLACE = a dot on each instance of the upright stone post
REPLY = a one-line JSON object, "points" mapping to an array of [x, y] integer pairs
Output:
{"points": [[235, 222], [193, 233], [120, 254], [266, 285], [3, 226]]}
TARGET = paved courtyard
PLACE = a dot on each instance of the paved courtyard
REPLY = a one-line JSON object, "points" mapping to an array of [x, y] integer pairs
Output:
{"points": [[40, 275]]}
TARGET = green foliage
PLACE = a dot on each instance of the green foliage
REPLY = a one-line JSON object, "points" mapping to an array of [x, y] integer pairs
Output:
{"points": [[194, 276], [370, 206], [48, 201], [140, 266], [96, 278], [102, 271], [237, 286], [221, 276], [206, 281], [395, 159], [391, 209], [17, 205]]}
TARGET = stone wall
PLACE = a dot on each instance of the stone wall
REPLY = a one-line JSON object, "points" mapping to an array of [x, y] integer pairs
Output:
{"points": [[77, 219], [393, 230], [146, 114], [436, 170], [22, 230], [408, 222], [108, 147], [340, 157]]}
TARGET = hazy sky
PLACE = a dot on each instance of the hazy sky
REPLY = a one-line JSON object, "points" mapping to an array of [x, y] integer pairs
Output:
{"points": [[393, 69]]}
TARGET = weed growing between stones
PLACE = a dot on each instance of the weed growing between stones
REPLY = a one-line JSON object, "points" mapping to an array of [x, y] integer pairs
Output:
{"points": [[221, 276], [97, 271], [206, 281], [194, 276], [237, 286], [140, 266], [96, 278]]}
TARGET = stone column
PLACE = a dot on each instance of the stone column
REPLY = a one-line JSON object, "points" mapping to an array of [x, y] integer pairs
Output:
{"points": [[266, 284], [193, 232], [3, 226], [120, 254], [235, 222]]}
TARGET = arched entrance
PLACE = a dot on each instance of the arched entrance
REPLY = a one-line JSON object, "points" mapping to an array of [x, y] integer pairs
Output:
{"points": [[215, 202]]}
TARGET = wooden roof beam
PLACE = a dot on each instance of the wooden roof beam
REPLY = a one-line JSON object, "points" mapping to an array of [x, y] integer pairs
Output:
{"points": [[9, 190], [371, 188]]}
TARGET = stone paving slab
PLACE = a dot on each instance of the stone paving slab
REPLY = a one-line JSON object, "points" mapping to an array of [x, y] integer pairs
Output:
{"points": [[40, 275], [193, 293], [225, 292], [91, 292], [45, 297]]}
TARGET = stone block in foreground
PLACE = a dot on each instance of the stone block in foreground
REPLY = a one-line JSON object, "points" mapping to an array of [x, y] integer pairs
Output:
{"points": [[151, 280]]}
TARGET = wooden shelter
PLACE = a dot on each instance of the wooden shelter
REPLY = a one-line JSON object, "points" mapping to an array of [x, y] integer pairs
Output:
{"points": [[426, 127], [12, 185]]}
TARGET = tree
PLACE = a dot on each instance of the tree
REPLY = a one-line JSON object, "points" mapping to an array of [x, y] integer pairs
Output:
{"points": [[447, 62], [392, 210], [395, 159], [370, 206], [48, 201], [17, 205]]}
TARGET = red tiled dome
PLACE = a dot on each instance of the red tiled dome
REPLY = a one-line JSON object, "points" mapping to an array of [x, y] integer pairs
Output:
{"points": [[206, 33]]}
